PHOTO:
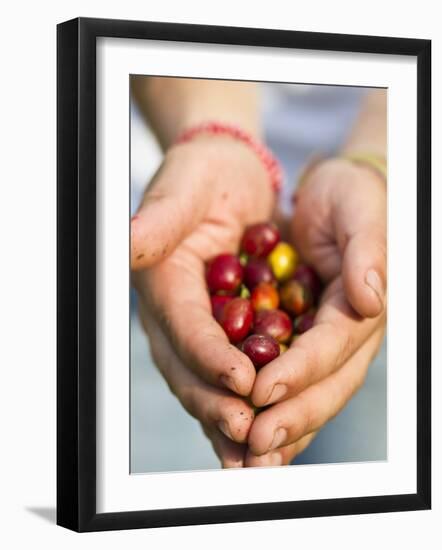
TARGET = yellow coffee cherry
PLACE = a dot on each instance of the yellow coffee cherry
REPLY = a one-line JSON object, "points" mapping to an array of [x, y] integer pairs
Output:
{"points": [[282, 348], [283, 260]]}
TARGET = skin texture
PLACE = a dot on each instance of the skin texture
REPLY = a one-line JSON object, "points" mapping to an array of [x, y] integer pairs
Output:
{"points": [[197, 206]]}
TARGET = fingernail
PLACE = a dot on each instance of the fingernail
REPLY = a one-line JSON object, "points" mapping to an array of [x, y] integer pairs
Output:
{"points": [[229, 383], [276, 459], [279, 438], [278, 391], [224, 427], [373, 280]]}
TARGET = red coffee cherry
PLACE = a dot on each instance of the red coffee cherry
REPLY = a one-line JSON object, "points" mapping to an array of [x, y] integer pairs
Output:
{"points": [[260, 349], [236, 319], [264, 296], [274, 323], [304, 322], [224, 273], [260, 239], [295, 298], [308, 278], [218, 303], [257, 271]]}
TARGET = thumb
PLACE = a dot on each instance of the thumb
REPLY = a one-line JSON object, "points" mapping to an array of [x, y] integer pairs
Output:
{"points": [[174, 203], [364, 272], [360, 220]]}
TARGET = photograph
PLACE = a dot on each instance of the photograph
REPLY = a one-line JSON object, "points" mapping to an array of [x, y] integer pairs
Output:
{"points": [[243, 251], [258, 256], [219, 258]]}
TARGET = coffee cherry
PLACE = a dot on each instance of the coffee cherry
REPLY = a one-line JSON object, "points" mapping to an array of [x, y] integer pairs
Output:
{"points": [[260, 239], [282, 348], [257, 271], [304, 322], [224, 273], [236, 319], [264, 296], [283, 260], [260, 349], [218, 303], [308, 278], [274, 323], [295, 298]]}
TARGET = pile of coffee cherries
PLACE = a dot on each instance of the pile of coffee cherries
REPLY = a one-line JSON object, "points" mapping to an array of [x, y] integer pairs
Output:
{"points": [[263, 298]]}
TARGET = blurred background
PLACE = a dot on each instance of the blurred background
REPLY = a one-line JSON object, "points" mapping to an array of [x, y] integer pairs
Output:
{"points": [[299, 120]]}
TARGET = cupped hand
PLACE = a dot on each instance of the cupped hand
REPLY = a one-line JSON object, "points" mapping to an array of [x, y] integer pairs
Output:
{"points": [[197, 206], [339, 227], [224, 417]]}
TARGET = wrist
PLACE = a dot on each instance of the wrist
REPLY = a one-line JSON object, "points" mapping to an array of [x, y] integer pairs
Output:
{"points": [[229, 115], [369, 160], [180, 103], [345, 166], [172, 129], [215, 129]]}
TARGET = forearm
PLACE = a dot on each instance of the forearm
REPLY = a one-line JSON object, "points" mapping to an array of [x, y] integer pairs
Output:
{"points": [[173, 104], [369, 134]]}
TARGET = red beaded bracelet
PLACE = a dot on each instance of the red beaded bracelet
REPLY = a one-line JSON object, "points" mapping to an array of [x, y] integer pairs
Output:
{"points": [[271, 164]]}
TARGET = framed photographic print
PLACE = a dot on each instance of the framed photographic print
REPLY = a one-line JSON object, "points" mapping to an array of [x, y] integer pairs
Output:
{"points": [[232, 203]]}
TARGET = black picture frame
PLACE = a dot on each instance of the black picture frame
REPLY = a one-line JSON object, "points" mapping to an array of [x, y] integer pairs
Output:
{"points": [[76, 273]]}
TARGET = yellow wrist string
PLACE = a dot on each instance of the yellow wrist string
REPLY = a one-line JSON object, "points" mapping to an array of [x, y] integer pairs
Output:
{"points": [[376, 162]]}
